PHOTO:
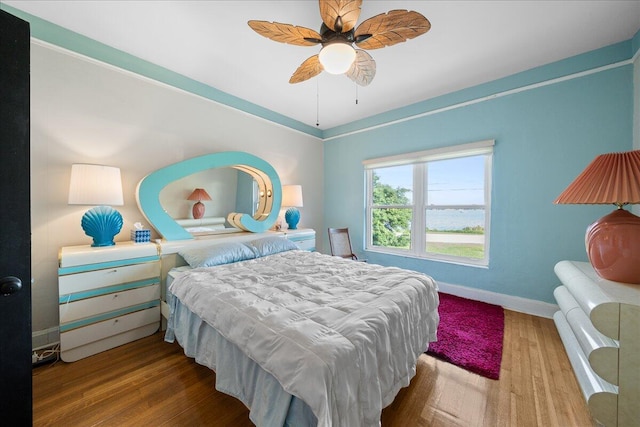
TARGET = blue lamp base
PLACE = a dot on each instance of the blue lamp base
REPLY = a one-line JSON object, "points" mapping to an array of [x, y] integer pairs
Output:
{"points": [[102, 223], [292, 216]]}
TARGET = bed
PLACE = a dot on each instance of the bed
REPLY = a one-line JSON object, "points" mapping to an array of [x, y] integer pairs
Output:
{"points": [[301, 338]]}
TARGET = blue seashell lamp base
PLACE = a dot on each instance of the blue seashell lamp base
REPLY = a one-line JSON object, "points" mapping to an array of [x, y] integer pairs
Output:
{"points": [[292, 216], [102, 223]]}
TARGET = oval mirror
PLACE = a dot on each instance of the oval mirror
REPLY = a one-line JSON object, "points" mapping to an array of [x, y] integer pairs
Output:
{"points": [[264, 182]]}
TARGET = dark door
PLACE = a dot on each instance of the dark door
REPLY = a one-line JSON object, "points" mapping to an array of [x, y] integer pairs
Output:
{"points": [[15, 223]]}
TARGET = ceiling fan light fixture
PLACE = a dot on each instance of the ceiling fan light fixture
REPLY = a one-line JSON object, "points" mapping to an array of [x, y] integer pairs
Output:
{"points": [[344, 42], [336, 58]]}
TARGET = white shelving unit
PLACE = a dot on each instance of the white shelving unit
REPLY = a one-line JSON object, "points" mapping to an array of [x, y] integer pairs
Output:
{"points": [[599, 323]]}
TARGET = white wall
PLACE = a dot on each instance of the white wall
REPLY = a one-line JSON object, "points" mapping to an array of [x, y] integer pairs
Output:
{"points": [[85, 111]]}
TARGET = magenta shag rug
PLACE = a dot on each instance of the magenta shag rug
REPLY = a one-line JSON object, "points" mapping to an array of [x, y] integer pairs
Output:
{"points": [[470, 335]]}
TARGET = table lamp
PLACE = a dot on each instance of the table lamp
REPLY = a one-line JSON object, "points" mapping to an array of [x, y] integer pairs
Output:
{"points": [[613, 241], [292, 199], [101, 186], [198, 194]]}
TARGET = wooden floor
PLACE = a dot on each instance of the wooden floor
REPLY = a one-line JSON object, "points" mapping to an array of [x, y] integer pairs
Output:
{"points": [[151, 383]]}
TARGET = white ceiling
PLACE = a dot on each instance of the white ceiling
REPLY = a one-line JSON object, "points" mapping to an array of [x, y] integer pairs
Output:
{"points": [[470, 42]]}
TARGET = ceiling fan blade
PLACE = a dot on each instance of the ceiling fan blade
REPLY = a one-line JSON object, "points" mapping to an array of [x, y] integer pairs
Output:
{"points": [[311, 67], [347, 10], [389, 28], [363, 69], [286, 33]]}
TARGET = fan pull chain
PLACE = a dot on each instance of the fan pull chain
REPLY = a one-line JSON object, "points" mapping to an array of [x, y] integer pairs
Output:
{"points": [[356, 93], [317, 102]]}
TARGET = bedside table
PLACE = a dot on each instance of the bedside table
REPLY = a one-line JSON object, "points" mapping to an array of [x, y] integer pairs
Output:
{"points": [[108, 296], [599, 324], [305, 238]]}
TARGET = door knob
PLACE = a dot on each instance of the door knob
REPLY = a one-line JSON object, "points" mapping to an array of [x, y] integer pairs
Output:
{"points": [[10, 285]]}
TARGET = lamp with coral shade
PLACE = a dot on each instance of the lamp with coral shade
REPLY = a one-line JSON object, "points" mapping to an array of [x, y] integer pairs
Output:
{"points": [[198, 194], [613, 241]]}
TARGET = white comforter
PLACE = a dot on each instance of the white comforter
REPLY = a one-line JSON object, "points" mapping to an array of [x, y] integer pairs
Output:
{"points": [[343, 336]]}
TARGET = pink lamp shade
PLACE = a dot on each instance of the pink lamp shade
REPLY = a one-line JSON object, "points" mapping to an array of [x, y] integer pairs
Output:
{"points": [[613, 241], [198, 194]]}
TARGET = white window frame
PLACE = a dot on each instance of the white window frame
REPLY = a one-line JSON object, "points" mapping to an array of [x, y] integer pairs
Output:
{"points": [[419, 206]]}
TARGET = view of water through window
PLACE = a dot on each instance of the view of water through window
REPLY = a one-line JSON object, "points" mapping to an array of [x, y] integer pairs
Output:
{"points": [[453, 203], [454, 219]]}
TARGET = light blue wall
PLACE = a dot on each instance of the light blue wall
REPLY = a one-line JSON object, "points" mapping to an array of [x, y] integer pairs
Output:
{"points": [[545, 136]]}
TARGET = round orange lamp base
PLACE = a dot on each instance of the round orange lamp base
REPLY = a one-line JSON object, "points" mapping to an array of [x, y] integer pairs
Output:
{"points": [[613, 246], [198, 210]]}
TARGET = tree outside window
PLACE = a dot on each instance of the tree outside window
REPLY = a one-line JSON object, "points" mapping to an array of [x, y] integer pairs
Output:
{"points": [[391, 218]]}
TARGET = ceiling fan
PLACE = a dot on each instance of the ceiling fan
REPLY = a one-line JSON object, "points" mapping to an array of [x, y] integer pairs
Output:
{"points": [[337, 35]]}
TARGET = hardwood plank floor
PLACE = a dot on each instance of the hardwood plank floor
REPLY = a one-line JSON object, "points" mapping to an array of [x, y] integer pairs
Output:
{"points": [[150, 382]]}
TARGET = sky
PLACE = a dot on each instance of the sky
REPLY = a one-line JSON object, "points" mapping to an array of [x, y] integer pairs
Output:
{"points": [[457, 181]]}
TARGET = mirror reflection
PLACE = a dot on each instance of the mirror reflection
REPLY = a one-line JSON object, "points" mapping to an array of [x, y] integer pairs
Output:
{"points": [[267, 205], [230, 189]]}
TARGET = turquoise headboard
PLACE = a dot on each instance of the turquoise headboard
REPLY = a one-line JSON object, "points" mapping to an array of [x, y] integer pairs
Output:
{"points": [[269, 186]]}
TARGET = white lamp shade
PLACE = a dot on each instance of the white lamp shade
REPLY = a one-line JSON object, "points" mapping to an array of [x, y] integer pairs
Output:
{"points": [[292, 196], [336, 58], [95, 185]]}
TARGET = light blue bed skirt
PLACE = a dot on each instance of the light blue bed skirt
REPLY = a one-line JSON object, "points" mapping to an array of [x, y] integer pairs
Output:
{"points": [[236, 374]]}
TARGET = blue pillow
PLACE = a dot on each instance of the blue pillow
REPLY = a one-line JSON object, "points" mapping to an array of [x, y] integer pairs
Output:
{"points": [[272, 245], [223, 253]]}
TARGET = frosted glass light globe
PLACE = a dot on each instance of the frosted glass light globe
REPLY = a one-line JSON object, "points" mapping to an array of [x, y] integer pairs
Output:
{"points": [[336, 58]]}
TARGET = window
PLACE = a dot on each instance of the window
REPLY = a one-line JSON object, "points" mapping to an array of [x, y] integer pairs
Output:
{"points": [[432, 204]]}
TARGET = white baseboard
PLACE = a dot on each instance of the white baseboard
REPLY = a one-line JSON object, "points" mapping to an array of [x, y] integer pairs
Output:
{"points": [[523, 305], [45, 337]]}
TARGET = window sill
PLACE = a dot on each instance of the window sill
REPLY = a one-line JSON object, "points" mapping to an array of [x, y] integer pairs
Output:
{"points": [[467, 262]]}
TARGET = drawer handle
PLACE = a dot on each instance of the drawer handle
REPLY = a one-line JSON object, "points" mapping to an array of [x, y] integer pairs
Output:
{"points": [[115, 295], [115, 270]]}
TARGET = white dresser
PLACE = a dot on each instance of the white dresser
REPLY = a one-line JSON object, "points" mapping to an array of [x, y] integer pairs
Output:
{"points": [[108, 296], [599, 323]]}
